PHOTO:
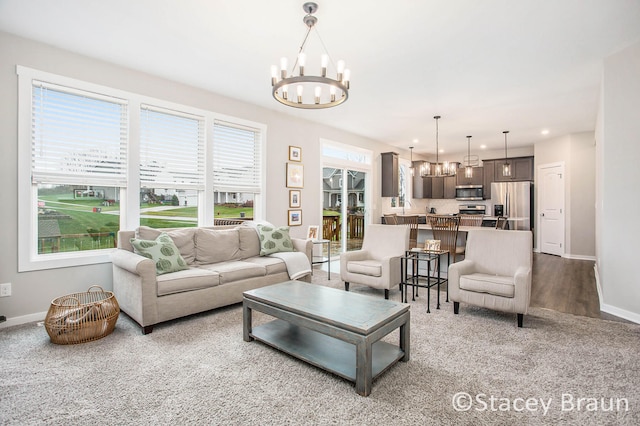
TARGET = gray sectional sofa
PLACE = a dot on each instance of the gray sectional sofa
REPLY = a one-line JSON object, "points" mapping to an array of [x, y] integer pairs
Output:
{"points": [[223, 262]]}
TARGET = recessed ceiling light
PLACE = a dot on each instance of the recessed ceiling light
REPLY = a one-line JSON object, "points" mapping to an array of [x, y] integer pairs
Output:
{"points": [[416, 141], [441, 151], [483, 147], [544, 132]]}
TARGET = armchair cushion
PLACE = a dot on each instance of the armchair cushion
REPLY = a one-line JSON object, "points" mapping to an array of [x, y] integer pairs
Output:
{"points": [[372, 268], [491, 284]]}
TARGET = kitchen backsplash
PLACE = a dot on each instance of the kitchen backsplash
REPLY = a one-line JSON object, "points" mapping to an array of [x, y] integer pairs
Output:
{"points": [[422, 206]]}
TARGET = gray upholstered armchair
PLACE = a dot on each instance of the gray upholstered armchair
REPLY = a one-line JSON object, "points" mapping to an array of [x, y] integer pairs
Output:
{"points": [[496, 272], [377, 265]]}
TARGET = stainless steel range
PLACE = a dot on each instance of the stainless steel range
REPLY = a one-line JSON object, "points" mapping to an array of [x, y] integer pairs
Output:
{"points": [[472, 209]]}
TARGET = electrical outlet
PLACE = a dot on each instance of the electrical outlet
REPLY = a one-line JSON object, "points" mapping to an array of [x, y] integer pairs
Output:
{"points": [[5, 289]]}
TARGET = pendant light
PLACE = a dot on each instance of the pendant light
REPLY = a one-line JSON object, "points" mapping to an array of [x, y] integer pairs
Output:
{"points": [[438, 169], [411, 168], [468, 170], [506, 167]]}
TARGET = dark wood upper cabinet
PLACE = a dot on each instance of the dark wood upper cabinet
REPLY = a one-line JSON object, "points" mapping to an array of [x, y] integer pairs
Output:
{"points": [[450, 186], [476, 179], [521, 169], [389, 174], [488, 167]]}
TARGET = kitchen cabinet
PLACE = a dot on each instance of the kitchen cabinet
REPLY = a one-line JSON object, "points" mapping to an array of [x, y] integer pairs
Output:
{"points": [[437, 187], [476, 179], [434, 187], [450, 186], [521, 169], [421, 186], [488, 167], [389, 174]]}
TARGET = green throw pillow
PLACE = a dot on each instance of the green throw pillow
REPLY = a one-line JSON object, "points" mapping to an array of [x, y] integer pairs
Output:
{"points": [[162, 251], [274, 240]]}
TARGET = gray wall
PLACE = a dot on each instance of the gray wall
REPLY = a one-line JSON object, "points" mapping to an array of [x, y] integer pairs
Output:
{"points": [[577, 152], [618, 204], [33, 291]]}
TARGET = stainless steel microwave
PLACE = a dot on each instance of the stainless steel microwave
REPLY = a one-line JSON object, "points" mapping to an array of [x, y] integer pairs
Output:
{"points": [[469, 192]]}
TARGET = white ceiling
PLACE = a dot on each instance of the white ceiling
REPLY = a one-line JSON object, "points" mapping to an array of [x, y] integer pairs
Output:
{"points": [[484, 66]]}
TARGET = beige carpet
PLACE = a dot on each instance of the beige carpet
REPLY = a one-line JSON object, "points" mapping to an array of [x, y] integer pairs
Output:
{"points": [[198, 370]]}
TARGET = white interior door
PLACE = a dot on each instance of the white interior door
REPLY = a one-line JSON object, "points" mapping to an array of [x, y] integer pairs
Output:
{"points": [[551, 196]]}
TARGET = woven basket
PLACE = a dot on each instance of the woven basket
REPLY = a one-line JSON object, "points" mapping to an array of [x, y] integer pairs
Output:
{"points": [[82, 317]]}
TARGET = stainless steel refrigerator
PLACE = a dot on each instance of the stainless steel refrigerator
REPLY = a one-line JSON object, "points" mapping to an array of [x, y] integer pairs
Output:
{"points": [[516, 197]]}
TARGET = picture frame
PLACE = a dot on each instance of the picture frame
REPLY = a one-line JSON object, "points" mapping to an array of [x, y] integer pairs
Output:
{"points": [[295, 218], [295, 175], [295, 153], [294, 199], [313, 232], [432, 245]]}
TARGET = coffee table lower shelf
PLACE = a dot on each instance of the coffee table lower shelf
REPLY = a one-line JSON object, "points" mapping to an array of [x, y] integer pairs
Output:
{"points": [[326, 352]]}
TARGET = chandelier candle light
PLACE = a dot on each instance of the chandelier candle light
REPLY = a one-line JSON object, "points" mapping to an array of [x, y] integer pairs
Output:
{"points": [[438, 169], [327, 92]]}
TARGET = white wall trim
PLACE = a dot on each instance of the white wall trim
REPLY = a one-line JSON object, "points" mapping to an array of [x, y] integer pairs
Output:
{"points": [[579, 257], [613, 310], [25, 319], [622, 313], [598, 285]]}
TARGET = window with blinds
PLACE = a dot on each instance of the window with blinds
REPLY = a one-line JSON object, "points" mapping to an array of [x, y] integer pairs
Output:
{"points": [[171, 149], [236, 158], [78, 137]]}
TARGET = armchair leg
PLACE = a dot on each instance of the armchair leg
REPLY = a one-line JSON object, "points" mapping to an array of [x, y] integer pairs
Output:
{"points": [[386, 293], [346, 286], [520, 318], [456, 307]]}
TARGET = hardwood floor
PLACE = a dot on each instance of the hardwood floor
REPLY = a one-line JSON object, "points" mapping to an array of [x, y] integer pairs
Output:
{"points": [[566, 285]]}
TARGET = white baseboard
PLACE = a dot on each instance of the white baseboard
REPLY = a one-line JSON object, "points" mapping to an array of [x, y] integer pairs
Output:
{"points": [[10, 322], [613, 310], [579, 257], [598, 286], [622, 313]]}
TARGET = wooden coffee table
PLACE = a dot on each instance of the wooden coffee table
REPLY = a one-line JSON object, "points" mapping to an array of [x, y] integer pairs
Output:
{"points": [[332, 329]]}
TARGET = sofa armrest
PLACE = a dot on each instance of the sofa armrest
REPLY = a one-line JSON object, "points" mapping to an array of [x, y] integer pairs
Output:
{"points": [[455, 271], [135, 286], [305, 246], [133, 262]]}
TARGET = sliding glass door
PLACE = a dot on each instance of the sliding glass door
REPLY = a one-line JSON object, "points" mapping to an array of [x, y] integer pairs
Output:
{"points": [[345, 197]]}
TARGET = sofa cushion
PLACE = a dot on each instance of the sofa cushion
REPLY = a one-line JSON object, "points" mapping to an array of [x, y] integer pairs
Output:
{"points": [[372, 268], [216, 245], [187, 280], [182, 237], [249, 242], [236, 270], [497, 285], [162, 251], [274, 239], [273, 265]]}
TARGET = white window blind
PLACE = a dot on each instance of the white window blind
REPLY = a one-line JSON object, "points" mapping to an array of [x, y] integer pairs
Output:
{"points": [[78, 137], [236, 158], [171, 149]]}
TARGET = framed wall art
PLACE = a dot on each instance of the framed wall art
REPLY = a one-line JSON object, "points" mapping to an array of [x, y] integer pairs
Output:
{"points": [[295, 175], [295, 218], [294, 199], [312, 232], [295, 153]]}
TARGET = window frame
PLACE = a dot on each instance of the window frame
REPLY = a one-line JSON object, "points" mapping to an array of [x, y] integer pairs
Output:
{"points": [[28, 258]]}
